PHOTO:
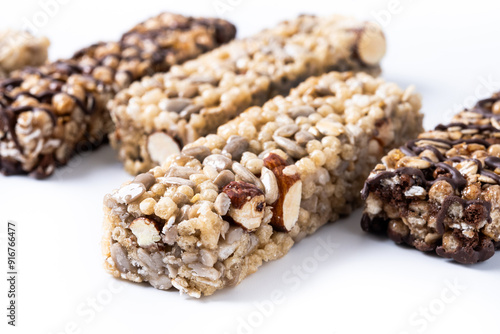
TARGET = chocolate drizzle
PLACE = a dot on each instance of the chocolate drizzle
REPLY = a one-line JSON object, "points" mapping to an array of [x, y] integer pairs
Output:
{"points": [[483, 132], [485, 107], [143, 45], [464, 203]]}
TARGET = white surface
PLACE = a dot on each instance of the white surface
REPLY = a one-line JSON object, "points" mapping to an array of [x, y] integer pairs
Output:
{"points": [[367, 284]]}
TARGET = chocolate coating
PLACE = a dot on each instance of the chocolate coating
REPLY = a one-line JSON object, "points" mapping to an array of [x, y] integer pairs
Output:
{"points": [[470, 245]]}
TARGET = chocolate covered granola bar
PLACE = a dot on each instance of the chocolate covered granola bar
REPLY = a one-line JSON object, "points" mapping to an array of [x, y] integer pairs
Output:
{"points": [[19, 49], [211, 215], [48, 114], [441, 192], [157, 116]]}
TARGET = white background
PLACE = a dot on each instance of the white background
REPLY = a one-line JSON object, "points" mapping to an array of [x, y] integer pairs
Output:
{"points": [[449, 50]]}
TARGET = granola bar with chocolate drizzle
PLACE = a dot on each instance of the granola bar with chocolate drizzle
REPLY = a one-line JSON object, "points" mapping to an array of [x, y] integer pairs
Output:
{"points": [[50, 113], [441, 192]]}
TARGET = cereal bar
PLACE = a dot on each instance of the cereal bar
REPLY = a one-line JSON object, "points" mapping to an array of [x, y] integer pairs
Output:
{"points": [[211, 215], [48, 114], [441, 192], [19, 49], [157, 116]]}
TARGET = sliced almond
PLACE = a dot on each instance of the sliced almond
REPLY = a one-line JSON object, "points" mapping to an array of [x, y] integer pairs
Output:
{"points": [[287, 206], [145, 231], [161, 146], [247, 204], [371, 45]]}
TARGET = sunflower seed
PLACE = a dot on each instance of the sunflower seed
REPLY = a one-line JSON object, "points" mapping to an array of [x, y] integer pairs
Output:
{"points": [[297, 111], [218, 161], [176, 181], [189, 110], [287, 130], [246, 175], [146, 179], [302, 137], [225, 177], [236, 146], [290, 147], [182, 172], [197, 152], [176, 104], [270, 185]]}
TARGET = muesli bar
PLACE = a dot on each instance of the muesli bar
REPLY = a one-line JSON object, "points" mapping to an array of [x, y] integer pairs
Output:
{"points": [[157, 116], [440, 193], [19, 49], [153, 46], [211, 215], [48, 114]]}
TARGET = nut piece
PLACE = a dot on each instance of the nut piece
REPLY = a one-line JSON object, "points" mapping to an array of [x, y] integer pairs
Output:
{"points": [[161, 146], [371, 45], [129, 193], [247, 204], [222, 204], [286, 208], [145, 231]]}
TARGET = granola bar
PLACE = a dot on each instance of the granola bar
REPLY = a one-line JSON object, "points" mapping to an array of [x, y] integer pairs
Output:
{"points": [[48, 114], [19, 49], [441, 192], [157, 116], [211, 215]]}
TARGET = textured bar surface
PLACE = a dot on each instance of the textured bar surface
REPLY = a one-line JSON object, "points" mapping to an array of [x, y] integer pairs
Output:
{"points": [[19, 49], [441, 192], [50, 113], [210, 216], [157, 115]]}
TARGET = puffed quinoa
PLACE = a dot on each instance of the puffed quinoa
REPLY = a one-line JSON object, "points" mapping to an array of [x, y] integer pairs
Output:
{"points": [[228, 80], [243, 218], [165, 208], [147, 206]]}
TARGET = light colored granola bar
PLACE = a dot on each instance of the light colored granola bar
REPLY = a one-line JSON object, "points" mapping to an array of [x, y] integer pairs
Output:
{"points": [[48, 114], [441, 192], [159, 115], [19, 49], [210, 216]]}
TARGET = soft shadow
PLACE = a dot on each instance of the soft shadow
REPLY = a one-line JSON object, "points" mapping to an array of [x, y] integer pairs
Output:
{"points": [[90, 163], [275, 275]]}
